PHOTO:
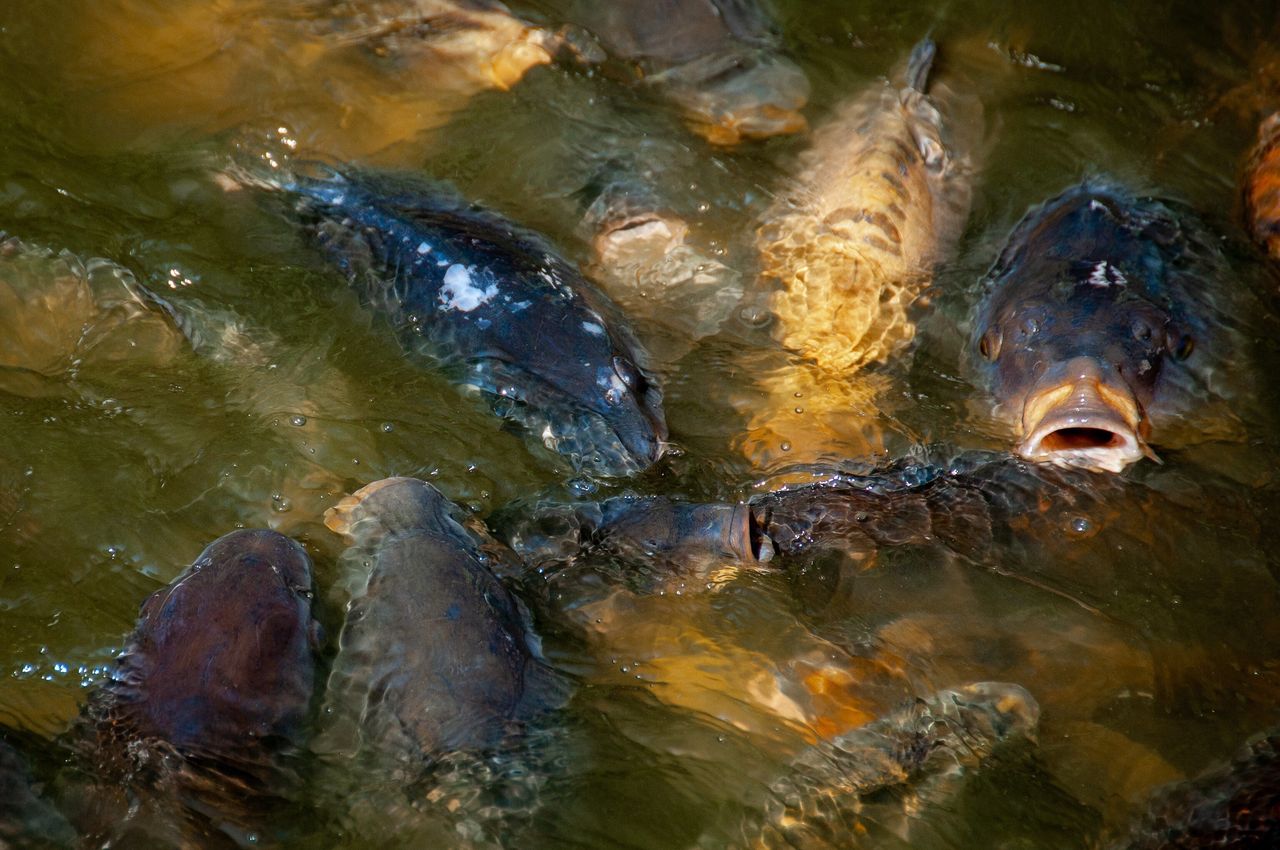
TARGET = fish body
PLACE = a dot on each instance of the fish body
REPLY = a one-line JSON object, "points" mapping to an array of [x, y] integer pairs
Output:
{"points": [[1237, 806], [880, 197], [969, 505], [354, 79], [1089, 313], [718, 61], [210, 694], [1262, 188], [435, 655], [499, 311], [816, 803]]}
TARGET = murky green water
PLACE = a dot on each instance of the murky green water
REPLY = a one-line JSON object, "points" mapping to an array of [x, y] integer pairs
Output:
{"points": [[1150, 636]]}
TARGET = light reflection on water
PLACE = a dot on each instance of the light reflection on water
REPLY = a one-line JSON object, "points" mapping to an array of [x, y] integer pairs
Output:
{"points": [[1148, 631]]}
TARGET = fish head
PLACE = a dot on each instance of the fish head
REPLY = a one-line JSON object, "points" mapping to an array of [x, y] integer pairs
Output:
{"points": [[229, 645], [1076, 365], [597, 407]]}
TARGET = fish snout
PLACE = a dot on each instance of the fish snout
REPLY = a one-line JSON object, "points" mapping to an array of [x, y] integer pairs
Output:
{"points": [[1084, 418]]}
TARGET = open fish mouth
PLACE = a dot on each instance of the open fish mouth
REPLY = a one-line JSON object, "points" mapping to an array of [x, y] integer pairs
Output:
{"points": [[1085, 424]]}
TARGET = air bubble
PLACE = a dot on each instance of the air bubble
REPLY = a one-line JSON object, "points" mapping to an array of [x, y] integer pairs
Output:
{"points": [[298, 419]]}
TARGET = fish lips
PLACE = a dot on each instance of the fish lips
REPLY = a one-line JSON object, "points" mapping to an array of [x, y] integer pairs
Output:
{"points": [[1086, 421]]}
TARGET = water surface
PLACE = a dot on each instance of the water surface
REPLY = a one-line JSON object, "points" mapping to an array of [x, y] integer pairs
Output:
{"points": [[1150, 634]]}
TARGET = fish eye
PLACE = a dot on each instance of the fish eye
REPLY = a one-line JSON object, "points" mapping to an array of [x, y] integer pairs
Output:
{"points": [[1183, 347], [1029, 326], [629, 374], [1142, 331], [989, 345]]}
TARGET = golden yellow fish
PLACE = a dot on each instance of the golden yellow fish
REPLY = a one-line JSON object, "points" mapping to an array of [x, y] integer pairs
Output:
{"points": [[880, 196], [347, 78]]}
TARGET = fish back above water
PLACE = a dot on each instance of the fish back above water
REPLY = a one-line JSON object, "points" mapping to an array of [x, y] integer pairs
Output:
{"points": [[881, 194], [498, 310], [1105, 318]]}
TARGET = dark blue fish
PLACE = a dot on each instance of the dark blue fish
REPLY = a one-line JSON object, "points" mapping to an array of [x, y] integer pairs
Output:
{"points": [[1101, 326], [498, 310]]}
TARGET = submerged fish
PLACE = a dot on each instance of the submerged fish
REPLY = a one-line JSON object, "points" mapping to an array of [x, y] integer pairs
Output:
{"points": [[195, 727], [437, 663], [1236, 806], [348, 78], [1097, 327], [433, 633], [1262, 187], [498, 310], [881, 195], [61, 317], [717, 60], [649, 261], [816, 803]]}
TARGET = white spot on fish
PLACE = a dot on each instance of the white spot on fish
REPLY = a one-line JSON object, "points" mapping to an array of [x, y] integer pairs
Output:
{"points": [[1097, 206], [460, 291], [593, 329], [548, 437], [424, 248], [520, 305], [1105, 274]]}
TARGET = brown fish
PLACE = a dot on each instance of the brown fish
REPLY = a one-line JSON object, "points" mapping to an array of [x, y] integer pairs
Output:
{"points": [[192, 732], [351, 78], [717, 60], [1262, 187], [1237, 806]]}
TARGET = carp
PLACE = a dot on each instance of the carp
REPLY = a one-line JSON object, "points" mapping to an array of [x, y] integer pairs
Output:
{"points": [[816, 803], [195, 731], [433, 631], [881, 195], [348, 78], [497, 309], [1236, 805], [437, 662], [1099, 327], [718, 61]]}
